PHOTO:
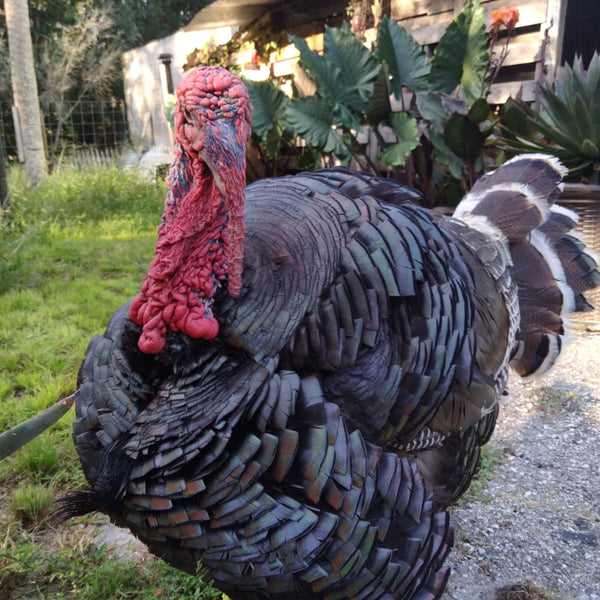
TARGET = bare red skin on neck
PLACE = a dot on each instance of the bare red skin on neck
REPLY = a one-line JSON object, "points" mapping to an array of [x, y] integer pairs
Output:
{"points": [[200, 240]]}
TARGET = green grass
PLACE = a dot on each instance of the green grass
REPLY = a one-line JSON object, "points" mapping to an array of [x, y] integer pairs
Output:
{"points": [[72, 250], [32, 503], [491, 456], [77, 247], [553, 400], [39, 457], [66, 565]]}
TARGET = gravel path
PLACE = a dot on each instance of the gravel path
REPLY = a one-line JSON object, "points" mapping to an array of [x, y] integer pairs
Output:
{"points": [[540, 518]]}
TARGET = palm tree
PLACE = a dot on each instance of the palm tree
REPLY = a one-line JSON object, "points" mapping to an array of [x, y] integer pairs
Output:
{"points": [[24, 86]]}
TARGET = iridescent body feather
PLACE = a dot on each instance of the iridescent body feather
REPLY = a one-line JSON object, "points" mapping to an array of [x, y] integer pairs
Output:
{"points": [[306, 379]]}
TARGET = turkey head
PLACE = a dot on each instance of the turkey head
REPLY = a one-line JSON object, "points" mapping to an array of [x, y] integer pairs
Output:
{"points": [[200, 238]]}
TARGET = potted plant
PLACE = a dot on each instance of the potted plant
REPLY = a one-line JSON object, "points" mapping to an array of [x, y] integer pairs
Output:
{"points": [[568, 127]]}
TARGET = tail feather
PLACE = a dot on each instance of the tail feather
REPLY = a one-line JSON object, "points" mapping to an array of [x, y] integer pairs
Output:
{"points": [[579, 263], [559, 223], [540, 173], [550, 265]]}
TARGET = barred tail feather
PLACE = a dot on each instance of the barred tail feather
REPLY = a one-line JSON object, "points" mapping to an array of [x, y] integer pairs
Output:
{"points": [[550, 264], [580, 263], [545, 302]]}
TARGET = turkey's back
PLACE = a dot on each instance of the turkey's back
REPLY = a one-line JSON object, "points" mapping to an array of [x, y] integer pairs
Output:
{"points": [[346, 278]]}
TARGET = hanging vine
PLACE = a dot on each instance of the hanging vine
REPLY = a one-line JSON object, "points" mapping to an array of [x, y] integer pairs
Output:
{"points": [[264, 38]]}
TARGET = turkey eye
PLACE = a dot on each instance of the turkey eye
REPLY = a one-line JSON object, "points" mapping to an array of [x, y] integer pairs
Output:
{"points": [[188, 115]]}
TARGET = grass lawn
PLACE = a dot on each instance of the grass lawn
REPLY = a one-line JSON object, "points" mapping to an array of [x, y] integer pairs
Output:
{"points": [[72, 250]]}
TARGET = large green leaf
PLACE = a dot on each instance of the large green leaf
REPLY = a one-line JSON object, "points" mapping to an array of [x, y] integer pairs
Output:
{"points": [[461, 55], [407, 62], [316, 66], [380, 107], [268, 106], [345, 73], [347, 117], [358, 66], [445, 156], [313, 119], [405, 128], [436, 107], [479, 111], [463, 137]]}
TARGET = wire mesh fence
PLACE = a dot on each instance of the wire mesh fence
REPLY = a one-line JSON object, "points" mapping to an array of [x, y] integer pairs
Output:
{"points": [[8, 137], [88, 129]]}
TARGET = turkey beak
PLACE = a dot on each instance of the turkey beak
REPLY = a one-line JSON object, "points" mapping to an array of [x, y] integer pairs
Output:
{"points": [[215, 173], [223, 150]]}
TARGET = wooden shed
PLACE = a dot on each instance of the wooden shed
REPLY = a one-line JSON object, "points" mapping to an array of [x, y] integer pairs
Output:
{"points": [[549, 33], [568, 27]]}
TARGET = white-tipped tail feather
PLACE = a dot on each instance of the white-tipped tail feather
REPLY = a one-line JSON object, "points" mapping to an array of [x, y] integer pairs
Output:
{"points": [[550, 265]]}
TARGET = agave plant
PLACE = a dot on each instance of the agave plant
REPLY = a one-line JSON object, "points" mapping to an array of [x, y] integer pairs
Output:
{"points": [[568, 124], [24, 432]]}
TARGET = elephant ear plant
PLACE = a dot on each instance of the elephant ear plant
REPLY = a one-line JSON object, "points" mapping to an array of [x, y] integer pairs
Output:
{"points": [[567, 125], [431, 135]]}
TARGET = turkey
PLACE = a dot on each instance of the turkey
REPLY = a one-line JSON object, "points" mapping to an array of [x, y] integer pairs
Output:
{"points": [[303, 385]]}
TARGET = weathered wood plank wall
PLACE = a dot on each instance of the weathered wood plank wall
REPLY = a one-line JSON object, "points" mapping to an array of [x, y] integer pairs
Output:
{"points": [[427, 20]]}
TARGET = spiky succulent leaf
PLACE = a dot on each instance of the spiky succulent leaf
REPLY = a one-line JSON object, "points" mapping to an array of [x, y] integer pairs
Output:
{"points": [[520, 121], [588, 148], [592, 77], [556, 112], [24, 432], [406, 61], [568, 125]]}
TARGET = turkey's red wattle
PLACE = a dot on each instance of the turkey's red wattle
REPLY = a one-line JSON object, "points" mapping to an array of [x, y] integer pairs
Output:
{"points": [[189, 262], [201, 236]]}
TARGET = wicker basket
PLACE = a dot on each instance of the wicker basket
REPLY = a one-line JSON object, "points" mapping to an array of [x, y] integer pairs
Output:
{"points": [[584, 200]]}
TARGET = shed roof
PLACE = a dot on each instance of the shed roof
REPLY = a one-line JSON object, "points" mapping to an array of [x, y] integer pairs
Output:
{"points": [[236, 13], [240, 13]]}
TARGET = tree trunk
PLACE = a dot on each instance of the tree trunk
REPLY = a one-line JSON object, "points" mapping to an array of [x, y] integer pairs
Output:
{"points": [[24, 86]]}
